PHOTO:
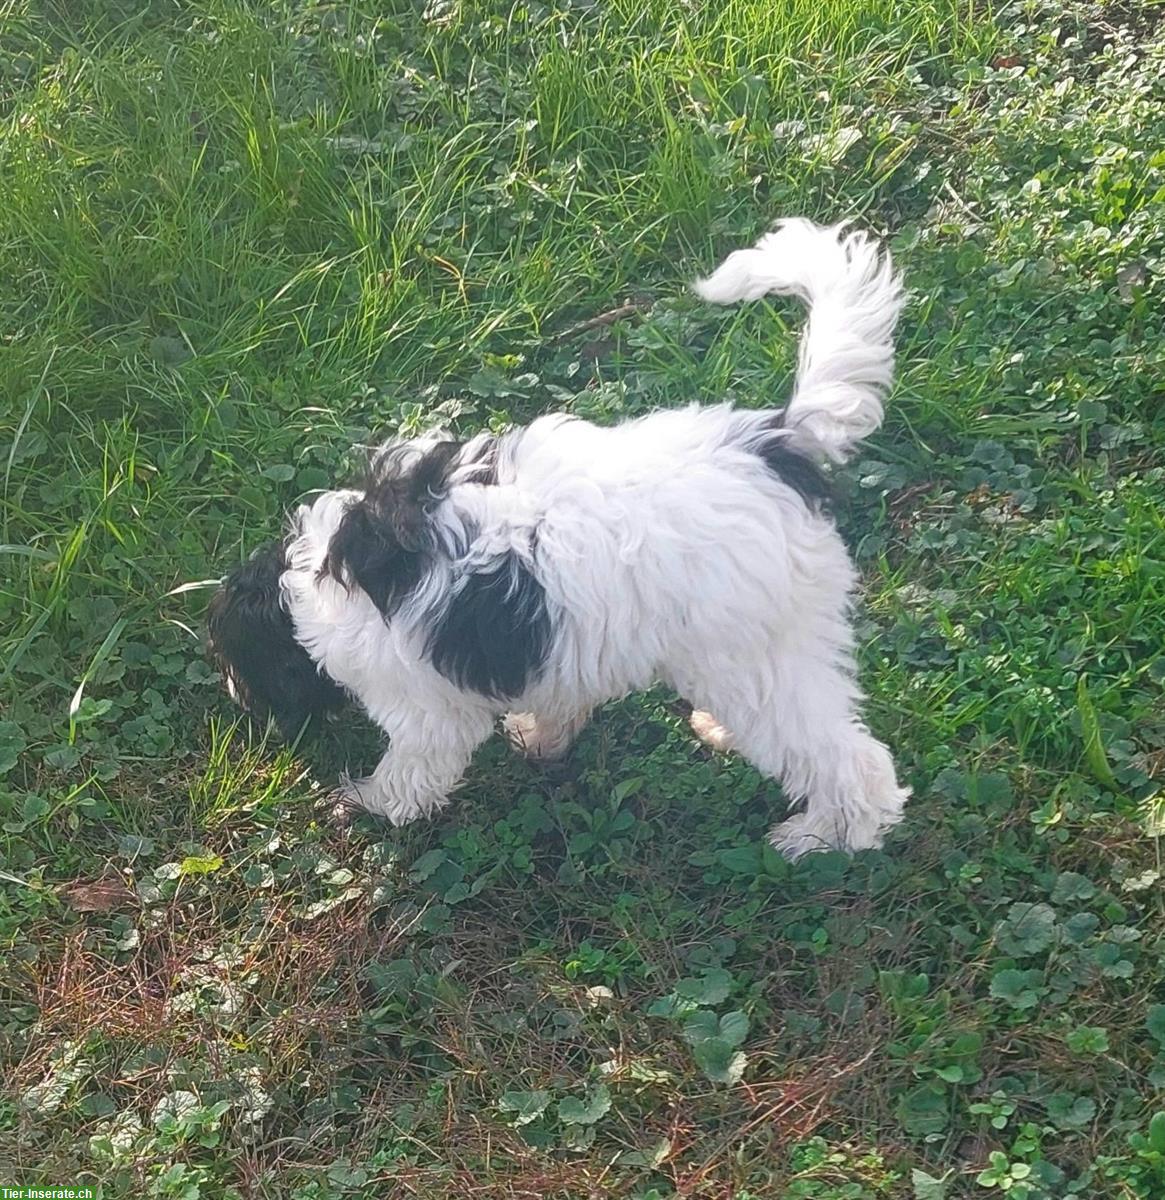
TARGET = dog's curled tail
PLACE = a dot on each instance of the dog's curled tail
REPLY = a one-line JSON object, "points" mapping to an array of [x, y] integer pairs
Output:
{"points": [[854, 296]]}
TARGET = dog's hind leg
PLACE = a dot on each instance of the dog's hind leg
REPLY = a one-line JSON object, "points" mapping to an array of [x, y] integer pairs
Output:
{"points": [[705, 726], [850, 791], [801, 725]]}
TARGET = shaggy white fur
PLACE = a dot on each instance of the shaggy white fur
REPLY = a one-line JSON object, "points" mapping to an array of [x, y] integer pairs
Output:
{"points": [[665, 549]]}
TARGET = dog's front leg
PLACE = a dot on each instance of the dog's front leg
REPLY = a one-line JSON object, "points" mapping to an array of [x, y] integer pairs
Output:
{"points": [[427, 756]]}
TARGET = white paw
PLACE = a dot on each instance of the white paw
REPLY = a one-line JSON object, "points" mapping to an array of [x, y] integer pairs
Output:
{"points": [[859, 828], [367, 795], [804, 834], [710, 731]]}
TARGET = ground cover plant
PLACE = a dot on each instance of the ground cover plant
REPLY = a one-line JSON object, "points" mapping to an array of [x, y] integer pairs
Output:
{"points": [[237, 239]]}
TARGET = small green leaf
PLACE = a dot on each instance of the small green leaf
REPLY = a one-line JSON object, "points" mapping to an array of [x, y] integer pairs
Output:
{"points": [[627, 788], [259, 875], [1157, 1132], [525, 1106], [998, 1173], [435, 919], [1020, 989], [734, 1027], [63, 757], [742, 860], [927, 1187], [924, 1109], [1089, 1040], [98, 1104], [650, 1158], [426, 865], [700, 1026], [341, 1173], [773, 863], [572, 1111], [710, 988], [34, 807], [131, 846], [1070, 887], [1079, 927], [12, 742], [1066, 1111], [200, 864], [168, 351], [88, 709], [397, 977], [670, 1006], [1028, 929], [313, 479], [1155, 1022], [721, 1062]]}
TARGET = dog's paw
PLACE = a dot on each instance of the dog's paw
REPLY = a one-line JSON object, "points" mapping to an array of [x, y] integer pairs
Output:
{"points": [[352, 796], [809, 831], [710, 731], [805, 834]]}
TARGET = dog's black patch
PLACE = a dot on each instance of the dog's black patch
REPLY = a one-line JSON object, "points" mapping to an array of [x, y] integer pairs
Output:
{"points": [[793, 469], [252, 641], [495, 636], [382, 540], [482, 455], [365, 550]]}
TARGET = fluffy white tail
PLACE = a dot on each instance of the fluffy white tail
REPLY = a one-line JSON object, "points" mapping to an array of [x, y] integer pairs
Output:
{"points": [[846, 363]]}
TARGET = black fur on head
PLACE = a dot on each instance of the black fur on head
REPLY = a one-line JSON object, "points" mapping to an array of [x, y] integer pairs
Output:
{"points": [[252, 642], [382, 540]]}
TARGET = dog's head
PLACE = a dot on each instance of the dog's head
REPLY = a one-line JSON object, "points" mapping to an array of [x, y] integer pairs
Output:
{"points": [[252, 642]]}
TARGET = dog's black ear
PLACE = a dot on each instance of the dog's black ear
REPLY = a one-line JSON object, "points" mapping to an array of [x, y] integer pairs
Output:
{"points": [[383, 538], [365, 551], [252, 641]]}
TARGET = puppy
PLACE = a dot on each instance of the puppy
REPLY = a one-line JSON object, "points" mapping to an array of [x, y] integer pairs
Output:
{"points": [[544, 571]]}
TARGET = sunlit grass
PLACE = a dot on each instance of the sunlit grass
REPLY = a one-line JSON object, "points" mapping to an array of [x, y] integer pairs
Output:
{"points": [[236, 240]]}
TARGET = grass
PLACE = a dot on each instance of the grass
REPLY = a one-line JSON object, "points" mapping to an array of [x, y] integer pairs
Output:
{"points": [[237, 239]]}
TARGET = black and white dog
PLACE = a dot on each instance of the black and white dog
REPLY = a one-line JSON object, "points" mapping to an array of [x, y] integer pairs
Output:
{"points": [[542, 572]]}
